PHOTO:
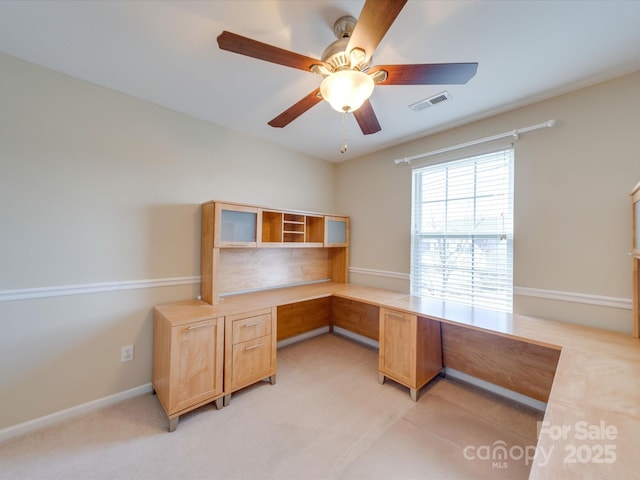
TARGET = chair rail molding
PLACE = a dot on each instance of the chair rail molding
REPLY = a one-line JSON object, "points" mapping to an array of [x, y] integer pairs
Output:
{"points": [[80, 289], [379, 273], [590, 299], [573, 297]]}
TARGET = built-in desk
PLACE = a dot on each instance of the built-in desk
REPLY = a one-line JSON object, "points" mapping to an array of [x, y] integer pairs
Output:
{"points": [[592, 422]]}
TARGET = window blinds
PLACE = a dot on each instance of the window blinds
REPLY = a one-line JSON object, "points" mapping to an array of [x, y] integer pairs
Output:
{"points": [[462, 231]]}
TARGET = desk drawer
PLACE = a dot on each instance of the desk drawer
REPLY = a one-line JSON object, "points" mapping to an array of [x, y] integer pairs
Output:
{"points": [[252, 327], [251, 361]]}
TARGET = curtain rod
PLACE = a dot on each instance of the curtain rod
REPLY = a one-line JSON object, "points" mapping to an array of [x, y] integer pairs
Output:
{"points": [[515, 134]]}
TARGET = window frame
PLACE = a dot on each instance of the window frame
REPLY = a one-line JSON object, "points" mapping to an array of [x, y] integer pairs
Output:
{"points": [[477, 291]]}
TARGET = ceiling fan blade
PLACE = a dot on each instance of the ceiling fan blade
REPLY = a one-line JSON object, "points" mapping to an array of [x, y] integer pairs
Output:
{"points": [[375, 19], [263, 51], [366, 118], [294, 111], [427, 74]]}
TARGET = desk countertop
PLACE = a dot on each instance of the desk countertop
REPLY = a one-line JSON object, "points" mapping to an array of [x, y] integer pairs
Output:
{"points": [[591, 426]]}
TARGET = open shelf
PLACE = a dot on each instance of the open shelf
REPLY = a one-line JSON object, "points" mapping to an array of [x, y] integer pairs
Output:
{"points": [[293, 228], [314, 229], [301, 230], [271, 227]]}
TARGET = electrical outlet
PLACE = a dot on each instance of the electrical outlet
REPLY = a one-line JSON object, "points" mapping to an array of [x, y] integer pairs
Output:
{"points": [[126, 353]]}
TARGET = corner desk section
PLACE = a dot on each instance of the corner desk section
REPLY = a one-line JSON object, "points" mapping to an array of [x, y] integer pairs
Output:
{"points": [[583, 374]]}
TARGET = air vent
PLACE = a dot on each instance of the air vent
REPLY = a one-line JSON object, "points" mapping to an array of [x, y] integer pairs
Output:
{"points": [[427, 102]]}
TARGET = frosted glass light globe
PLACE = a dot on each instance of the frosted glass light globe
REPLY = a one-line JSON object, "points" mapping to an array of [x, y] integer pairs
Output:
{"points": [[347, 90]]}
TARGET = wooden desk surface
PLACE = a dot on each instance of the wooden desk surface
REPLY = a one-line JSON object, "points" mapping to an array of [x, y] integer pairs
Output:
{"points": [[591, 426]]}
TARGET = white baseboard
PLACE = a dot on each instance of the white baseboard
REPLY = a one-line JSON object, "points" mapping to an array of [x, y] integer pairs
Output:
{"points": [[356, 336], [53, 418], [498, 390], [303, 336], [322, 330]]}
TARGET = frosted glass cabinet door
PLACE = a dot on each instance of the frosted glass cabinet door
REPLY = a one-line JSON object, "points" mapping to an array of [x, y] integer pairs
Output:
{"points": [[236, 226], [336, 231]]}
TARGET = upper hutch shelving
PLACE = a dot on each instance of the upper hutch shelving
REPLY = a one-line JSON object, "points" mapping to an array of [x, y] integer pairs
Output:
{"points": [[291, 229], [246, 248]]}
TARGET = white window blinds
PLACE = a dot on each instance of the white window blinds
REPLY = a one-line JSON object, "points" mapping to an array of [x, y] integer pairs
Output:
{"points": [[462, 239]]}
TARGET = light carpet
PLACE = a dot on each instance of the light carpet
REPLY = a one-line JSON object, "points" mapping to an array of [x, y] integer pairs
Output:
{"points": [[327, 417]]}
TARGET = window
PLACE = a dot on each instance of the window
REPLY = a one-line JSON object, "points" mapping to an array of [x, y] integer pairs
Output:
{"points": [[462, 238]]}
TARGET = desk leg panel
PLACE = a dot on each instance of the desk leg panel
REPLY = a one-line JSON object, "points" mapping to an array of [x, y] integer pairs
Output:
{"points": [[516, 365]]}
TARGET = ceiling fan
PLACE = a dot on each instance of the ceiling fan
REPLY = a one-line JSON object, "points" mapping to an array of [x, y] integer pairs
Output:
{"points": [[349, 77]]}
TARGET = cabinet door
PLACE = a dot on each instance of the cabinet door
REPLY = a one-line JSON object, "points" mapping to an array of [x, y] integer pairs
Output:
{"points": [[397, 354], [635, 220], [636, 296], [336, 231], [635, 247], [236, 226], [196, 363]]}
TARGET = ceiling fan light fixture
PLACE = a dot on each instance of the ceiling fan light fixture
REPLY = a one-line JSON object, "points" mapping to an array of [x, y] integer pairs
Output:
{"points": [[346, 90]]}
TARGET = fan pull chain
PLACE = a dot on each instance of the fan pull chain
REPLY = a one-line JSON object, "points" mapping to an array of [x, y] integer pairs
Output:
{"points": [[343, 149]]}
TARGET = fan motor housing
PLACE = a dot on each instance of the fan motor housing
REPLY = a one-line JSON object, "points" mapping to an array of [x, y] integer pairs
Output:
{"points": [[335, 54]]}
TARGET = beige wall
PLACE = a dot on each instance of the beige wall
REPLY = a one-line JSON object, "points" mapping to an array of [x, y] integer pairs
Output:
{"points": [[96, 186], [572, 208]]}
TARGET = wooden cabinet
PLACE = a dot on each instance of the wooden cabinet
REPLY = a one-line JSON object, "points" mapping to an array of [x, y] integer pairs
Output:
{"points": [[336, 231], [635, 251], [187, 364], [410, 349], [250, 350]]}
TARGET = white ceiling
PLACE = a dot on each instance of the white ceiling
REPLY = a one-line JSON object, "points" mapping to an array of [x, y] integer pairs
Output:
{"points": [[165, 52]]}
